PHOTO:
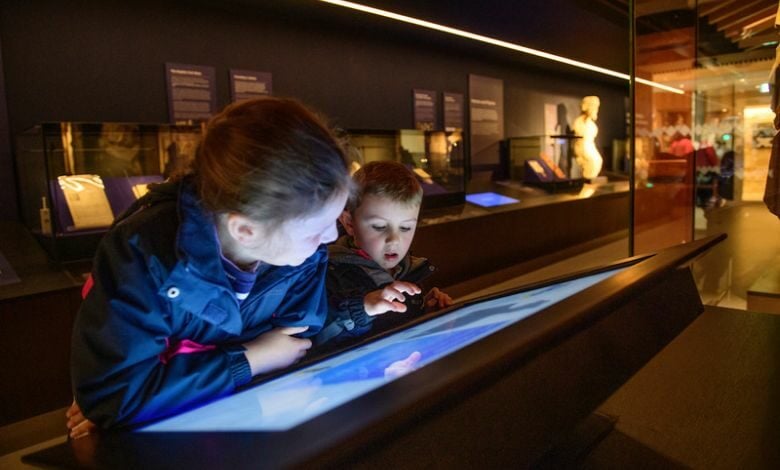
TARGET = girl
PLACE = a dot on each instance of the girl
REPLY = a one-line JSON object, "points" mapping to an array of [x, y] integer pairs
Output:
{"points": [[204, 282]]}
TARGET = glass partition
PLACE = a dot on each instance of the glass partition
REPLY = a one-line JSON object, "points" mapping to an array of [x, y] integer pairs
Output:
{"points": [[663, 164], [435, 158], [702, 153]]}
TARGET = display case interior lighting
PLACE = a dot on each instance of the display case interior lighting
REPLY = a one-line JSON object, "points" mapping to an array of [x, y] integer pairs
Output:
{"points": [[497, 42]]}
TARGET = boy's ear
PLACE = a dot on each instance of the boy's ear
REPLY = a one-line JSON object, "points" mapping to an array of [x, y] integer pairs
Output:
{"points": [[346, 221]]}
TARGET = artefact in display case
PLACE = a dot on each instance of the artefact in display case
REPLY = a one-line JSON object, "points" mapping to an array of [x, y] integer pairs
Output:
{"points": [[75, 178], [544, 161], [435, 158]]}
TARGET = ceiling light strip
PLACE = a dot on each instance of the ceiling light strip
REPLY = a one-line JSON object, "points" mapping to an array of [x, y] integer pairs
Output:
{"points": [[495, 42]]}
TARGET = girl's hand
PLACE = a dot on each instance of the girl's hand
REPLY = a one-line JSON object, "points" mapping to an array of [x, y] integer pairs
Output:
{"points": [[436, 299], [78, 425], [276, 349], [389, 299]]}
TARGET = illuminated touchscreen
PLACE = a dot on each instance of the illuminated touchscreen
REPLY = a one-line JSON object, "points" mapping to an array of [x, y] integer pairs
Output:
{"points": [[490, 199], [289, 400]]}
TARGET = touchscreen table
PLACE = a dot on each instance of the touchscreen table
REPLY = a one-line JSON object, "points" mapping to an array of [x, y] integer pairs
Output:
{"points": [[518, 371], [290, 400]]}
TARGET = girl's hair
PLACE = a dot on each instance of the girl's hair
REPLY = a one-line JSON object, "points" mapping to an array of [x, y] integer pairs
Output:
{"points": [[386, 179], [270, 159]]}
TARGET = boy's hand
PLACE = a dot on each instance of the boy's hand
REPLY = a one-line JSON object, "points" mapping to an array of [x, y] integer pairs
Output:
{"points": [[436, 299], [390, 298], [78, 425], [276, 349]]}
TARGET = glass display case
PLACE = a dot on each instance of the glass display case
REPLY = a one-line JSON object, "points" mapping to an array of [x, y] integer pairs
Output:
{"points": [[75, 178], [544, 161], [435, 157]]}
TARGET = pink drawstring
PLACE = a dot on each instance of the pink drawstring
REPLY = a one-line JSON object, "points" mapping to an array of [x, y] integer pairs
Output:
{"points": [[184, 346], [87, 286]]}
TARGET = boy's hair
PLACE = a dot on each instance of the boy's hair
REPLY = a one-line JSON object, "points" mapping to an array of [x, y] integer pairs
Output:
{"points": [[387, 179], [270, 159]]}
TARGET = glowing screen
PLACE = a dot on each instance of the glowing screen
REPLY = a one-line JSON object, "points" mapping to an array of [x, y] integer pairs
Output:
{"points": [[490, 199], [289, 400]]}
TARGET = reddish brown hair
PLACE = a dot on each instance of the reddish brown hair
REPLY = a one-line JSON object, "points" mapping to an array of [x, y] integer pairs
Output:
{"points": [[270, 159]]}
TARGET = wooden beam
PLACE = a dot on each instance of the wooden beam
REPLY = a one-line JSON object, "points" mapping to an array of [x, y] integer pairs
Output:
{"points": [[734, 13], [751, 28], [747, 20], [665, 56], [659, 6], [715, 7], [663, 39]]}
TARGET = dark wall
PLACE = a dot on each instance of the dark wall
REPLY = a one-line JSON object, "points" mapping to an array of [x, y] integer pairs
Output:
{"points": [[7, 181], [104, 60]]}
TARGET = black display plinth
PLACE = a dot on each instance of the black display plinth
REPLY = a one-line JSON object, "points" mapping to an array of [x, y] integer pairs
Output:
{"points": [[559, 186]]}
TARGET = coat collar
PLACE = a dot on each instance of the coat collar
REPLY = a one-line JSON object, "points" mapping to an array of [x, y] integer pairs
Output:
{"points": [[197, 245], [344, 251]]}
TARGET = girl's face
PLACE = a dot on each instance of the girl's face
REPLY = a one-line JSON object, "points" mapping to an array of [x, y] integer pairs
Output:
{"points": [[292, 241]]}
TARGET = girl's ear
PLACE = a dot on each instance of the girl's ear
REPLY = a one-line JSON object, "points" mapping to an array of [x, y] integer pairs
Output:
{"points": [[243, 230], [346, 221]]}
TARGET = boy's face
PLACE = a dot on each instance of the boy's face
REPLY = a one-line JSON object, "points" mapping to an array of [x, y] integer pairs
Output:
{"points": [[383, 228]]}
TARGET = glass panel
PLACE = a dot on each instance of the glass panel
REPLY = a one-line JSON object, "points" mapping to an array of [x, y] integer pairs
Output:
{"points": [[435, 157], [734, 130], [663, 171], [702, 156]]}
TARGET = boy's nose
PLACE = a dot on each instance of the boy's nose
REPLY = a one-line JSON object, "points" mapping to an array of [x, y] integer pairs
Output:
{"points": [[392, 236]]}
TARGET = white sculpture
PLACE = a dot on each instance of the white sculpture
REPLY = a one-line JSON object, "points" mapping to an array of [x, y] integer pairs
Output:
{"points": [[585, 151]]}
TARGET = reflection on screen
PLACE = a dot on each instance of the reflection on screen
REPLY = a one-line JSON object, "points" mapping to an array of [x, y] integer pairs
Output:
{"points": [[490, 199], [289, 400]]}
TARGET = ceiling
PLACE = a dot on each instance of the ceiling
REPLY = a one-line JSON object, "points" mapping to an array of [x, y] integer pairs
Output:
{"points": [[745, 24]]}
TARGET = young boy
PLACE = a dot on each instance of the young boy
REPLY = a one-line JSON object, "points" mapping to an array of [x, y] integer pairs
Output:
{"points": [[372, 280]]}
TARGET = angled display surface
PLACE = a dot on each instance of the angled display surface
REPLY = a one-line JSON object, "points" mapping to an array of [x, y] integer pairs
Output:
{"points": [[288, 401], [516, 359]]}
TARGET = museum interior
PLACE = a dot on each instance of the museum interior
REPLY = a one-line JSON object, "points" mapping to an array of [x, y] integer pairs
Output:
{"points": [[604, 144]]}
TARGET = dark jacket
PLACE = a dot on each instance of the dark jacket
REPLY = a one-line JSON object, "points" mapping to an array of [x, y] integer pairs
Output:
{"points": [[351, 275], [160, 329]]}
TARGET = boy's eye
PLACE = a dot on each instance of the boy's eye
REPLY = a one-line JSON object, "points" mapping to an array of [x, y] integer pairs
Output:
{"points": [[378, 228], [405, 229]]}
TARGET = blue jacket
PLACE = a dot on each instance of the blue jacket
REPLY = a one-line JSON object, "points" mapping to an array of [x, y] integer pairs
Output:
{"points": [[160, 329], [352, 275]]}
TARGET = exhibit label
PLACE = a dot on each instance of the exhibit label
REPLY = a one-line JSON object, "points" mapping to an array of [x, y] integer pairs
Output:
{"points": [[248, 84], [191, 92]]}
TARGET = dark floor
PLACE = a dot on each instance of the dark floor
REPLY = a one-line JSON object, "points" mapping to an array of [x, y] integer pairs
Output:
{"points": [[726, 272]]}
